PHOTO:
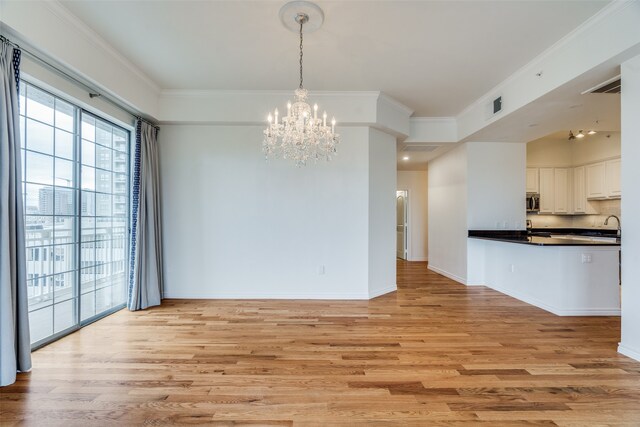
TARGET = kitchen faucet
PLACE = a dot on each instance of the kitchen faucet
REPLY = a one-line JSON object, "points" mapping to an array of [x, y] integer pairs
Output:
{"points": [[606, 222]]}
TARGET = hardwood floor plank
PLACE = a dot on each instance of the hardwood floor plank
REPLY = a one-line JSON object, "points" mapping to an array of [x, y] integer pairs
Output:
{"points": [[433, 353]]}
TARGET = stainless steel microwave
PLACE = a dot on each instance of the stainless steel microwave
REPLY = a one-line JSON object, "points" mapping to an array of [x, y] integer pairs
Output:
{"points": [[533, 202]]}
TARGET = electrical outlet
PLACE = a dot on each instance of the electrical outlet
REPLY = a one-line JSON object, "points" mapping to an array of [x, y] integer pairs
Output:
{"points": [[505, 224], [586, 258], [321, 270], [513, 268]]}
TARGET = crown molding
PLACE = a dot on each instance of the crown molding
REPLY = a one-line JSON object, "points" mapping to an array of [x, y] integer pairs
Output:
{"points": [[209, 93], [395, 103], [90, 35]]}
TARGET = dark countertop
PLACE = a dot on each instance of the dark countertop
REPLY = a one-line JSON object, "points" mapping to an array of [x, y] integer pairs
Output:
{"points": [[546, 237]]}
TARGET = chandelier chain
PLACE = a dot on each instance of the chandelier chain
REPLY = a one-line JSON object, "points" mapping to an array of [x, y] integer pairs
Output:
{"points": [[301, 23]]}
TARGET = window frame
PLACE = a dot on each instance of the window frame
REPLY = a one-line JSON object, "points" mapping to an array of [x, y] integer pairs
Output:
{"points": [[79, 110]]}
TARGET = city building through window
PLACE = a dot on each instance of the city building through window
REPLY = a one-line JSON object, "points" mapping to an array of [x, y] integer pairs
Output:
{"points": [[76, 195]]}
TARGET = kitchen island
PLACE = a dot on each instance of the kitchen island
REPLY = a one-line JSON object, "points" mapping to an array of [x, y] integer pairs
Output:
{"points": [[565, 273]]}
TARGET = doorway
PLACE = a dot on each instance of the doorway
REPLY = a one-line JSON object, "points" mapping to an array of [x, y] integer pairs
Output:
{"points": [[401, 223]]}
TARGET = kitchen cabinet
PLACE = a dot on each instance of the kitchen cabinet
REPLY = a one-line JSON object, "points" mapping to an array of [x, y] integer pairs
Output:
{"points": [[561, 190], [547, 190], [603, 180], [556, 190], [580, 203], [595, 175], [533, 185], [612, 178]]}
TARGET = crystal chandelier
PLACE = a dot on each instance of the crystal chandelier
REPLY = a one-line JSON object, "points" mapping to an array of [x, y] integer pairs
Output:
{"points": [[300, 135]]}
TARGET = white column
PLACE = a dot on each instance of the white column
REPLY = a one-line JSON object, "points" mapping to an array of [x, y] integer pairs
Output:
{"points": [[630, 341], [382, 213]]}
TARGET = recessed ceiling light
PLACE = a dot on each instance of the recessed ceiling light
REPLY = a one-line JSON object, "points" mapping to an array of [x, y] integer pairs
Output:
{"points": [[591, 132], [405, 158], [580, 134]]}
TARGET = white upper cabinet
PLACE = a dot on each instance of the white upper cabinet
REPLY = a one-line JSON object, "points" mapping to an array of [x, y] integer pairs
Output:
{"points": [[547, 190], [562, 187], [579, 195], [533, 180], [580, 203], [596, 188], [603, 180], [612, 178]]}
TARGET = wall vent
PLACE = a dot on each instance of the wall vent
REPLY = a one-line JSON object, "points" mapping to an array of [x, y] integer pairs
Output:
{"points": [[497, 105]]}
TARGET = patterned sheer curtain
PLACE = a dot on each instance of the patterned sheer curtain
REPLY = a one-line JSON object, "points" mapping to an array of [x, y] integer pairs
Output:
{"points": [[145, 280], [15, 346]]}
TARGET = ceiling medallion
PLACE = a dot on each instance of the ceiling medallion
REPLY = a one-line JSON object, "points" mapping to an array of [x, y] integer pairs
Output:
{"points": [[300, 135]]}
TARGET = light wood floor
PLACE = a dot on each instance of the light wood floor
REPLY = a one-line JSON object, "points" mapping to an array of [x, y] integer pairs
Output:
{"points": [[434, 353]]}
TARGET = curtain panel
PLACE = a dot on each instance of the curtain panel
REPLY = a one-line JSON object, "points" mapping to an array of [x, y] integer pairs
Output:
{"points": [[145, 277], [15, 345]]}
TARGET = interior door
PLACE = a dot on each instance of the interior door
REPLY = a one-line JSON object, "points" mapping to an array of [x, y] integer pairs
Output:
{"points": [[401, 224]]}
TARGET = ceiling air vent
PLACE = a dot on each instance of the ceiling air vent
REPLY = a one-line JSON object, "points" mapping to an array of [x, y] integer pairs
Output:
{"points": [[415, 148], [607, 87]]}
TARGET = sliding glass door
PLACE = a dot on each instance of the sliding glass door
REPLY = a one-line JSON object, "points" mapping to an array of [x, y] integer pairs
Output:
{"points": [[103, 216], [76, 194]]}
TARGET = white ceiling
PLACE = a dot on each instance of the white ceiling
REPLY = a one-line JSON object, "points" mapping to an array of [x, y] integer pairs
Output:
{"points": [[436, 57]]}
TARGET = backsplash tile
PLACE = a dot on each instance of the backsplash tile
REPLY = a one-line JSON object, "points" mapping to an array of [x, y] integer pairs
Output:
{"points": [[605, 207]]}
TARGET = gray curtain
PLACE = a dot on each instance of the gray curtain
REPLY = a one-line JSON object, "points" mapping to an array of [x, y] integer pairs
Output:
{"points": [[145, 280], [15, 346]]}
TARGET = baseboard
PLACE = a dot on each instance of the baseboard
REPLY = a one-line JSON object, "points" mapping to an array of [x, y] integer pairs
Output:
{"points": [[270, 295], [629, 352], [418, 259], [446, 274], [378, 292], [586, 311]]}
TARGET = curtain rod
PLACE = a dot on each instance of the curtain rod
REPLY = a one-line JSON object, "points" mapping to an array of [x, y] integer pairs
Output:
{"points": [[93, 93]]}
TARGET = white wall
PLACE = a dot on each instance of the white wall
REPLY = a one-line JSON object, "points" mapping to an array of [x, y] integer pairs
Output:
{"points": [[382, 213], [551, 152], [496, 185], [477, 185], [565, 286], [594, 148], [448, 214], [630, 342], [239, 227], [416, 183]]}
